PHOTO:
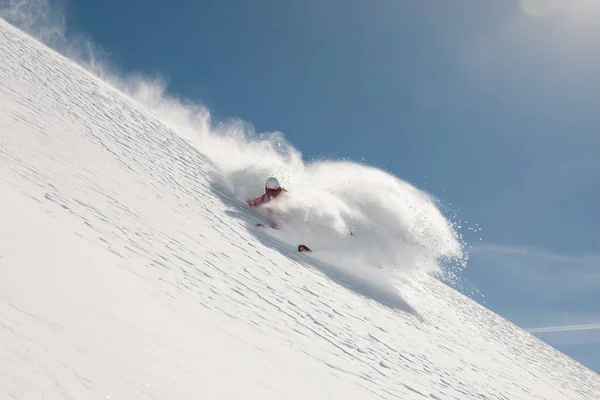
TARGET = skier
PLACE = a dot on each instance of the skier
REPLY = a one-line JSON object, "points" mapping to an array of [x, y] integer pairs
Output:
{"points": [[272, 190]]}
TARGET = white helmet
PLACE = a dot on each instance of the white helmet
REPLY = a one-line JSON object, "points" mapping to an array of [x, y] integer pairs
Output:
{"points": [[272, 183]]}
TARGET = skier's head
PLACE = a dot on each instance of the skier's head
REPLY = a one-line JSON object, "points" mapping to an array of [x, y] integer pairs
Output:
{"points": [[272, 187]]}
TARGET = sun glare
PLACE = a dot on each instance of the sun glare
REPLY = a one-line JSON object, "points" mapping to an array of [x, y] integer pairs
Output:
{"points": [[572, 8]]}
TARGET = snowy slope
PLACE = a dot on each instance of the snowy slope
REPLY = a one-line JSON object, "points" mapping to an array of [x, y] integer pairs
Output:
{"points": [[128, 271]]}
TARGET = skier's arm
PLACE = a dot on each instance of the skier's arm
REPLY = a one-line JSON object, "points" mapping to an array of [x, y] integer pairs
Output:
{"points": [[257, 201]]}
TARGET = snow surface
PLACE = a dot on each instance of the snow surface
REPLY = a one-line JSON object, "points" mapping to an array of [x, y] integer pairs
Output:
{"points": [[129, 267]]}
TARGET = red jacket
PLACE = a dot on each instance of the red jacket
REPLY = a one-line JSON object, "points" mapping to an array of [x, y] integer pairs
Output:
{"points": [[265, 198]]}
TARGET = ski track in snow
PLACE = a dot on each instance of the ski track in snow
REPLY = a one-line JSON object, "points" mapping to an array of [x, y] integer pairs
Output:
{"points": [[123, 274]]}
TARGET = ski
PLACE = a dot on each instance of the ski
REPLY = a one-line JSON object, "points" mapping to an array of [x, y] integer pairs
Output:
{"points": [[304, 249]]}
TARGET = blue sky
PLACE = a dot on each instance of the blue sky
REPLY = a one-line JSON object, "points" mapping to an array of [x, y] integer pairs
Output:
{"points": [[491, 106]]}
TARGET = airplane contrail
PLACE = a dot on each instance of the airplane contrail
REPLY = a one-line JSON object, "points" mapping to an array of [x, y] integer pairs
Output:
{"points": [[564, 328]]}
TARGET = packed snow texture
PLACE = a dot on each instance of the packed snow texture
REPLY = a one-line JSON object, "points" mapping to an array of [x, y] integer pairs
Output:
{"points": [[131, 268]]}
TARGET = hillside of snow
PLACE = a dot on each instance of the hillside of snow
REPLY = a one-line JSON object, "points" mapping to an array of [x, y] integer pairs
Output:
{"points": [[131, 268]]}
